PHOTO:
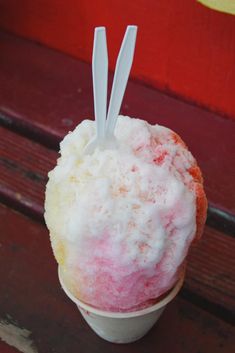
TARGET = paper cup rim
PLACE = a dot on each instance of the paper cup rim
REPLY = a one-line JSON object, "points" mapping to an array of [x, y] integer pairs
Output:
{"points": [[122, 315]]}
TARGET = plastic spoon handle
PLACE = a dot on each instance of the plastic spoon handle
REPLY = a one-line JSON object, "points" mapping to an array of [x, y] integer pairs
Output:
{"points": [[122, 71], [100, 80]]}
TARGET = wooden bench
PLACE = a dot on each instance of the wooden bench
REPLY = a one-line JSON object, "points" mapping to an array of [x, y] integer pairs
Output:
{"points": [[43, 95]]}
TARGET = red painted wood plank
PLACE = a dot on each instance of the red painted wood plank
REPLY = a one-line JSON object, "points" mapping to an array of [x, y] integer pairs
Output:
{"points": [[182, 46], [24, 166], [211, 269], [23, 169], [45, 94], [33, 297]]}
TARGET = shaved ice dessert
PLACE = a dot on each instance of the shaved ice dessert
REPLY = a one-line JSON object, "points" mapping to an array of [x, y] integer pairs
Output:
{"points": [[122, 219]]}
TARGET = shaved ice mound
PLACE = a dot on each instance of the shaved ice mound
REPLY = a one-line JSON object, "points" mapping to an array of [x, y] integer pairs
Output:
{"points": [[122, 220]]}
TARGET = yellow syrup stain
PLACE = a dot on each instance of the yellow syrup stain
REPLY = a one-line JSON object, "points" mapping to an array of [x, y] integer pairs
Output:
{"points": [[59, 251]]}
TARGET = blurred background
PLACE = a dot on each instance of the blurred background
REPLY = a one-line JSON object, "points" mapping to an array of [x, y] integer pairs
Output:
{"points": [[184, 48]]}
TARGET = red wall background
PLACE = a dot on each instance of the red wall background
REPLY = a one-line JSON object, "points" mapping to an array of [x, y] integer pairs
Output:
{"points": [[182, 47]]}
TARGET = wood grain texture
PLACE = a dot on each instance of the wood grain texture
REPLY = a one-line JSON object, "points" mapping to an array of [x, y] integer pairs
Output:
{"points": [[211, 269], [183, 47], [23, 169], [33, 297], [44, 94]]}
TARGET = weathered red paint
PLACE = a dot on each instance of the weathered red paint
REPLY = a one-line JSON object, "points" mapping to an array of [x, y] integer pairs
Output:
{"points": [[211, 264], [23, 168], [183, 47], [31, 294], [45, 94]]}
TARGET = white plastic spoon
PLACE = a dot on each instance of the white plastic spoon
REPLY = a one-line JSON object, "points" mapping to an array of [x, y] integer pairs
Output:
{"points": [[100, 81], [105, 130], [122, 71]]}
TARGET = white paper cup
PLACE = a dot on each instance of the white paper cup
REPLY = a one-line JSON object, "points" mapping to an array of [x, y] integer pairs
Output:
{"points": [[122, 327]]}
